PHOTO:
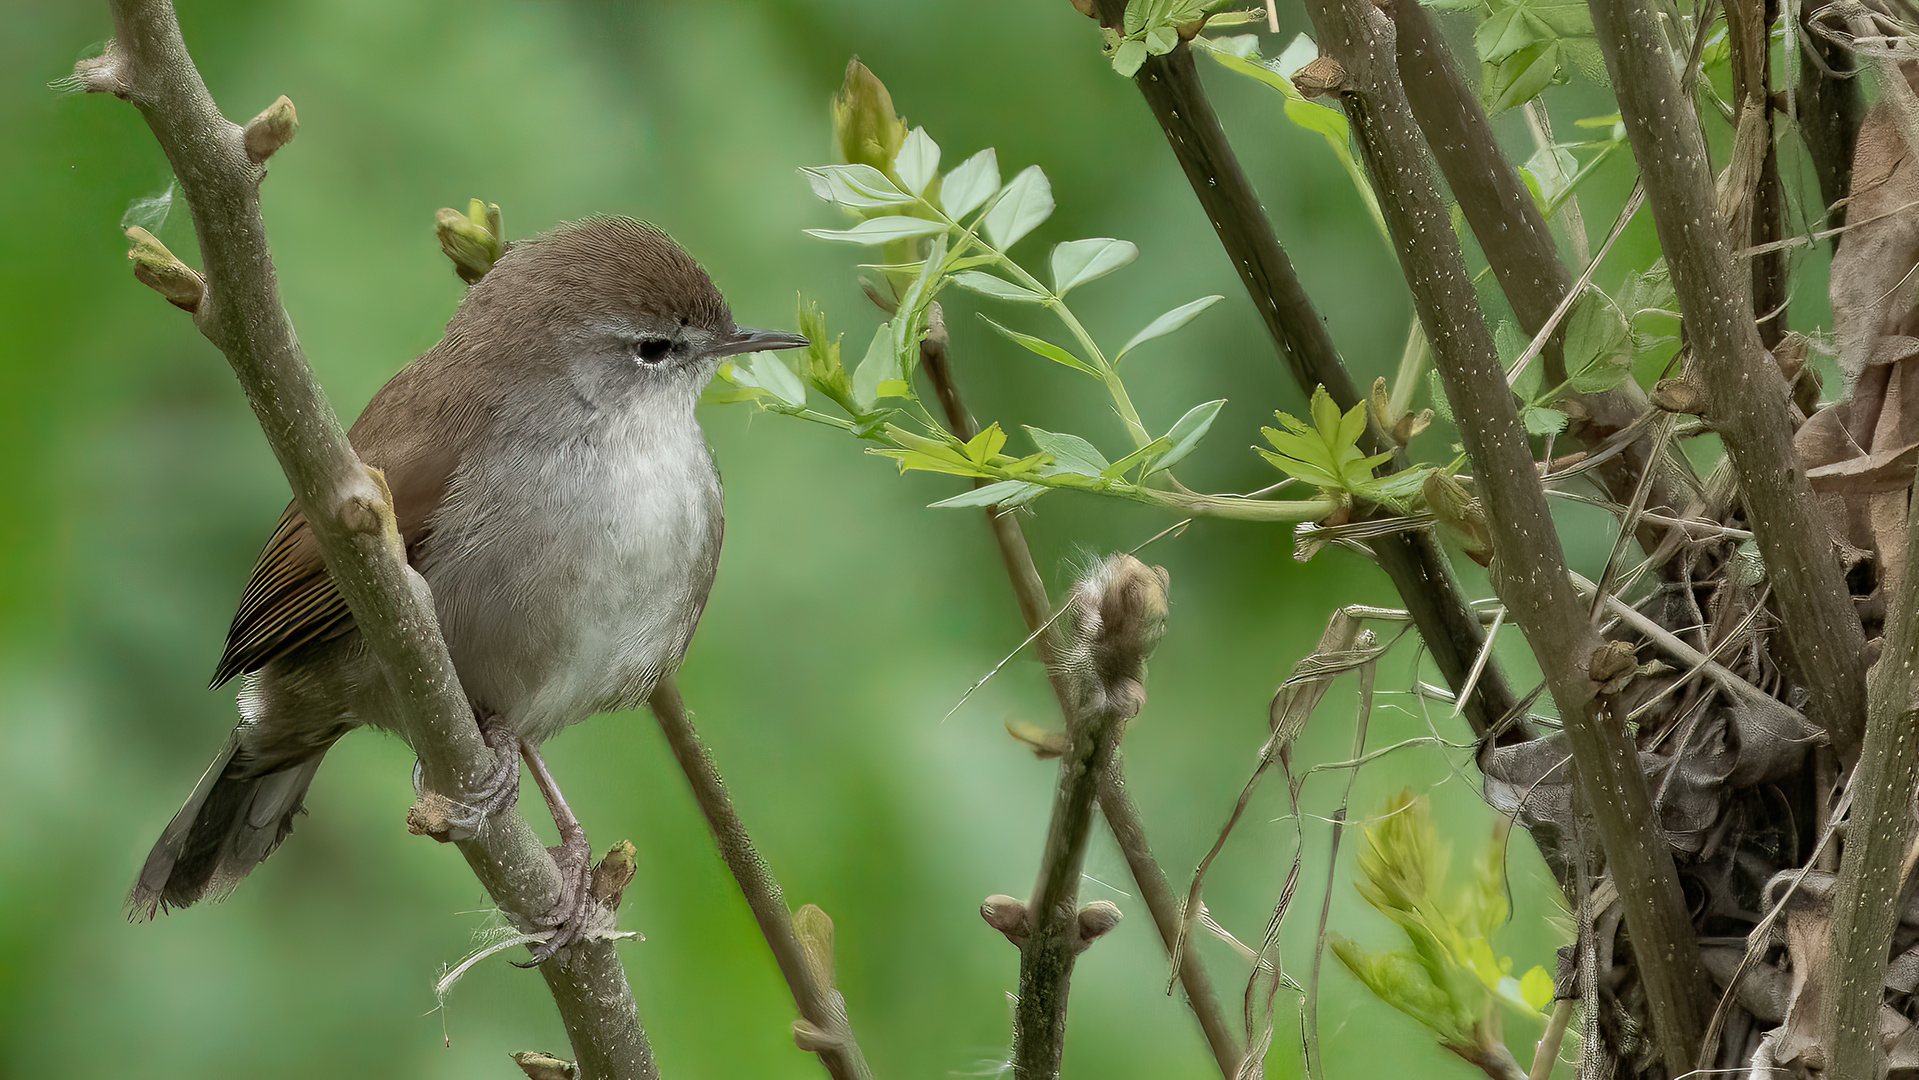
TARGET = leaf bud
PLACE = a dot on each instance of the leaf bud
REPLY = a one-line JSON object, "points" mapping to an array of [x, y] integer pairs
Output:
{"points": [[473, 240], [158, 269], [542, 1066], [612, 874], [814, 928], [269, 131], [1095, 919], [1457, 509], [867, 129], [1008, 915]]}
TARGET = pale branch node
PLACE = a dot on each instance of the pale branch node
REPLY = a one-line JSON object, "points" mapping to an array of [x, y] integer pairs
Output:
{"points": [[160, 270], [241, 313], [1113, 619], [538, 1065], [269, 131]]}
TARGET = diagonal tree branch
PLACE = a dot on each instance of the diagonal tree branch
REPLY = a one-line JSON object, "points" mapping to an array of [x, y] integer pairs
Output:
{"points": [[823, 1026], [1529, 569], [347, 504], [1115, 804], [1519, 247], [1748, 402], [1414, 562]]}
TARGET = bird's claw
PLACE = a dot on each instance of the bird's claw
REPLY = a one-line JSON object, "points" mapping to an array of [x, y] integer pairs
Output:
{"points": [[446, 819]]}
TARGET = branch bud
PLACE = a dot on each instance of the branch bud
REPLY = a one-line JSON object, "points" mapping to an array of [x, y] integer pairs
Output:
{"points": [[1322, 76], [1459, 512], [867, 129], [1008, 915], [1679, 395], [815, 1040], [1399, 426], [612, 874], [97, 75], [1043, 743], [159, 270], [814, 928], [541, 1066], [1116, 616], [270, 130], [1095, 919], [474, 240]]}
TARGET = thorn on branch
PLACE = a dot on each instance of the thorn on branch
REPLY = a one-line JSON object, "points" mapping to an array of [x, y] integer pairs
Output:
{"points": [[269, 131], [542, 1066], [474, 240], [1009, 916], [612, 874], [1095, 919], [160, 270]]}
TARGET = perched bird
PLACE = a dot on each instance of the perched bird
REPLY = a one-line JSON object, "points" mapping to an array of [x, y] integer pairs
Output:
{"points": [[554, 489]]}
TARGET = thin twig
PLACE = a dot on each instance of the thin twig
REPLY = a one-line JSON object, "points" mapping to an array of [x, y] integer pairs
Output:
{"points": [[348, 507], [1122, 817], [828, 1031]]}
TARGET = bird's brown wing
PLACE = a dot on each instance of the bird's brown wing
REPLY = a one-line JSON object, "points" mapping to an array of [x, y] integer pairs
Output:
{"points": [[290, 599]]}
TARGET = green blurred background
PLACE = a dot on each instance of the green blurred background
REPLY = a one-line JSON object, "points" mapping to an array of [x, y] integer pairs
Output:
{"points": [[846, 621]]}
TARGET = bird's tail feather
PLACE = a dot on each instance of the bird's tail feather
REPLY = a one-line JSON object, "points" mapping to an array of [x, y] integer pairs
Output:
{"points": [[236, 816]]}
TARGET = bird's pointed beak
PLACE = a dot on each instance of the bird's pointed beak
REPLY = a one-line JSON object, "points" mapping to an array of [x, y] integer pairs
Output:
{"points": [[746, 340]]}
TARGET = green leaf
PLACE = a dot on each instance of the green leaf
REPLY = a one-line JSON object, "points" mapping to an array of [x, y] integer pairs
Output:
{"points": [[918, 162], [1168, 323], [881, 230], [1129, 56], [1005, 492], [1536, 986], [1145, 455], [971, 183], [1077, 262], [983, 447], [772, 373], [1522, 75], [1598, 344], [1540, 420], [1070, 452], [996, 287], [1161, 40], [1025, 202], [1044, 348], [1186, 434], [879, 368], [856, 187]]}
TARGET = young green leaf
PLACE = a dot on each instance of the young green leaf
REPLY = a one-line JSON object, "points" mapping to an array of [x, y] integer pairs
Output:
{"points": [[1598, 344], [1026, 201], [1070, 452], [878, 370], [1168, 323], [918, 162], [1003, 493], [856, 187], [1043, 347], [772, 373], [1129, 56], [881, 230], [996, 287], [1186, 434], [971, 183], [1077, 262], [1143, 456]]}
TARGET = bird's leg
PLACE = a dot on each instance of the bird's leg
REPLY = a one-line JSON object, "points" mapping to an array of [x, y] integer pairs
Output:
{"points": [[575, 912], [450, 820]]}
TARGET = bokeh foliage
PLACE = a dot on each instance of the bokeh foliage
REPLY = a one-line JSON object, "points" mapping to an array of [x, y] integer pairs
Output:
{"points": [[846, 621]]}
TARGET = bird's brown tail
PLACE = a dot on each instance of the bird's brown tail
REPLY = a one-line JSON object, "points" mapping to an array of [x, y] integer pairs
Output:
{"points": [[236, 816]]}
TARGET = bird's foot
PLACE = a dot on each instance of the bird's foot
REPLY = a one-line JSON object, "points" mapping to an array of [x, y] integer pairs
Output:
{"points": [[446, 819], [576, 915]]}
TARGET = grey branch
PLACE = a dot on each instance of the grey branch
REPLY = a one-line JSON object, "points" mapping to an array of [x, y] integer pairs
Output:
{"points": [[1747, 397], [823, 1027], [346, 503], [1529, 569]]}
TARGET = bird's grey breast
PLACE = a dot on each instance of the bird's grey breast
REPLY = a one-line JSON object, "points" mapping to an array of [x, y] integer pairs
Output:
{"points": [[569, 571]]}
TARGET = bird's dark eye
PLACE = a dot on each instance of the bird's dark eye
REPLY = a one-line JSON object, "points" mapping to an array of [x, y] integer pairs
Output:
{"points": [[652, 350]]}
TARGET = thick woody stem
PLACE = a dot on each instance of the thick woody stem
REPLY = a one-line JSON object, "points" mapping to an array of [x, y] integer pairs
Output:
{"points": [[1414, 562], [1748, 401], [824, 1028], [1529, 569], [1519, 248], [1115, 805], [346, 503]]}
